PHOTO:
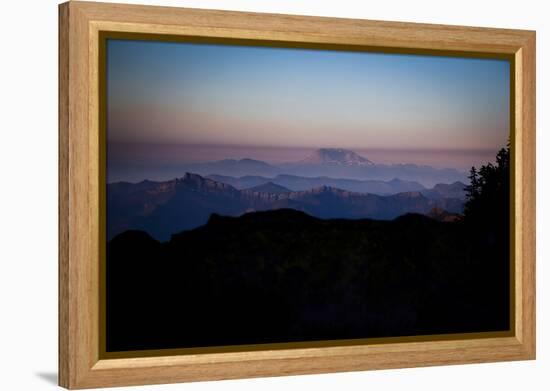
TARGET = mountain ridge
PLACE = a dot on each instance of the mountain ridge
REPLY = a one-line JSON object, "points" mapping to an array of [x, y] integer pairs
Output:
{"points": [[297, 183], [163, 208], [269, 187]]}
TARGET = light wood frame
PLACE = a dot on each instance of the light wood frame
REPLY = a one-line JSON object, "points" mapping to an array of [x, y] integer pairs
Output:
{"points": [[80, 24]]}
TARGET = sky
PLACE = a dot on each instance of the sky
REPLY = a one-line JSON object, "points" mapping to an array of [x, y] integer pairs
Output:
{"points": [[275, 104]]}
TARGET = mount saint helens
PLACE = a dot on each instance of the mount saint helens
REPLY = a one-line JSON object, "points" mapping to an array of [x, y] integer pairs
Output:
{"points": [[165, 208], [337, 156]]}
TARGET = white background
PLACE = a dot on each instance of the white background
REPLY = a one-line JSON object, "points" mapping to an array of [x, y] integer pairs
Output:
{"points": [[28, 195]]}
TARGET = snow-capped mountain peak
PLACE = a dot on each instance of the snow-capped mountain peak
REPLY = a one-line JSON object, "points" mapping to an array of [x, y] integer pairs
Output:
{"points": [[337, 156]]}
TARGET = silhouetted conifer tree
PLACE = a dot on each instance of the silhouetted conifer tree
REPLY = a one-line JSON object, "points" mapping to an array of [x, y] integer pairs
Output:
{"points": [[488, 195], [487, 226]]}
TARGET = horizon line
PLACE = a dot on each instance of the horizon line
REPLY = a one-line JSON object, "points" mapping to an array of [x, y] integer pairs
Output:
{"points": [[350, 148]]}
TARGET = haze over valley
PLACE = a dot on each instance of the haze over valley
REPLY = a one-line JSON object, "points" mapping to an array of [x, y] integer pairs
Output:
{"points": [[136, 162], [235, 187]]}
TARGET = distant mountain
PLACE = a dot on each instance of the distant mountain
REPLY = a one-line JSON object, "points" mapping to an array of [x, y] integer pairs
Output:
{"points": [[426, 175], [394, 186], [328, 203], [297, 183], [243, 182], [328, 162], [234, 168], [339, 157], [441, 190], [164, 208], [269, 187]]}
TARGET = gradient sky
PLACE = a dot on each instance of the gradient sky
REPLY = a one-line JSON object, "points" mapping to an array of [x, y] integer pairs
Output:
{"points": [[236, 96]]}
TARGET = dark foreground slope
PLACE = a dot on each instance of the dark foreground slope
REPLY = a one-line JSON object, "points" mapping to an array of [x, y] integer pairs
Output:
{"points": [[281, 276]]}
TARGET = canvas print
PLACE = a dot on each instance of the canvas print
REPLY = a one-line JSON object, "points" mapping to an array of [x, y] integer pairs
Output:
{"points": [[268, 195]]}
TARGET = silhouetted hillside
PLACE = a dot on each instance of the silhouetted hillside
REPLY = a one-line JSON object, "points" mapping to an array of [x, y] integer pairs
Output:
{"points": [[282, 275]]}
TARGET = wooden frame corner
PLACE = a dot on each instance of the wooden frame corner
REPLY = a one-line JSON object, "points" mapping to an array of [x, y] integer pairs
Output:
{"points": [[80, 25]]}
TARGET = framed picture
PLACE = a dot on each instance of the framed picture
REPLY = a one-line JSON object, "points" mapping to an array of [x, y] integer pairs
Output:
{"points": [[248, 195]]}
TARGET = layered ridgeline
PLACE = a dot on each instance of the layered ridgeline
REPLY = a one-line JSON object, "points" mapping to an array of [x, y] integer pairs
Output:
{"points": [[298, 183], [329, 162], [166, 208]]}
